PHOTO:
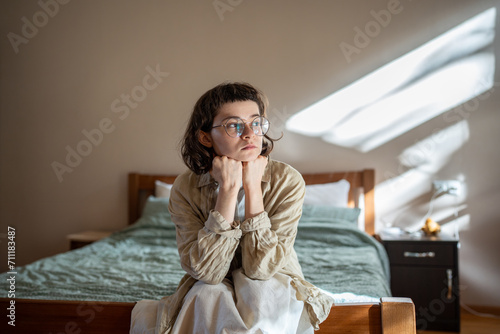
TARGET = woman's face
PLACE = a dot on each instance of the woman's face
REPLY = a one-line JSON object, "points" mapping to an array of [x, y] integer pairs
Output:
{"points": [[246, 147]]}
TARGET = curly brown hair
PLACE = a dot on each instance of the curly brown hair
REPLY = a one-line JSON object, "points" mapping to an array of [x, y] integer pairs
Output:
{"points": [[196, 156]]}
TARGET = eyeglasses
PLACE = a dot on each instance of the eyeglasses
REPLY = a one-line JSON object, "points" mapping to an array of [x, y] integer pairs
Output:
{"points": [[235, 126]]}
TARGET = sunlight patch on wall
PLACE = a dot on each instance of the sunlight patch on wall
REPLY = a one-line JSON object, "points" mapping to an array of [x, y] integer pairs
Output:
{"points": [[418, 164], [438, 76]]}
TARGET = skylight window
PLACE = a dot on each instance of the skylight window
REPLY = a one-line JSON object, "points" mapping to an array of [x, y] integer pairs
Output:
{"points": [[438, 76]]}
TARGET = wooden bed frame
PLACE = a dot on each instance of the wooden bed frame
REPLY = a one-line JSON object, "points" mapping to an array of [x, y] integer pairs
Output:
{"points": [[141, 186], [390, 316]]}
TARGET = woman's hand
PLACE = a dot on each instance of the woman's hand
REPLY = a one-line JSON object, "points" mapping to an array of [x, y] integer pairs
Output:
{"points": [[253, 172], [252, 179], [228, 173]]}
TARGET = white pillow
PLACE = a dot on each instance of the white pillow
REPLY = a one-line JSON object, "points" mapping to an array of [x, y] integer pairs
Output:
{"points": [[162, 189], [332, 194]]}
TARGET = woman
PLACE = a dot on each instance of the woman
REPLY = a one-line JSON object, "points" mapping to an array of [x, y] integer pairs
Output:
{"points": [[236, 213]]}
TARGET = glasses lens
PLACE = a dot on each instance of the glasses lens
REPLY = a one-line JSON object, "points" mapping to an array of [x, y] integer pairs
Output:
{"points": [[234, 127], [260, 126]]}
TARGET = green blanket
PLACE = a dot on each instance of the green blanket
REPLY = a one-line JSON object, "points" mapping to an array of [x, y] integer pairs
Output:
{"points": [[336, 256], [141, 262]]}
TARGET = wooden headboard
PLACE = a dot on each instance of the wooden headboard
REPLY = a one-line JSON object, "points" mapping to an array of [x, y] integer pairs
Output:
{"points": [[140, 186]]}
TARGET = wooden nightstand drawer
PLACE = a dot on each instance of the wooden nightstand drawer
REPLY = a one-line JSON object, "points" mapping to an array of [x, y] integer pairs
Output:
{"points": [[77, 240], [421, 253]]}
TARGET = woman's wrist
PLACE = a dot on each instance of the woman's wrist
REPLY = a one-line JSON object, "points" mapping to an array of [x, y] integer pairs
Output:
{"points": [[226, 202], [252, 188], [229, 189], [254, 203]]}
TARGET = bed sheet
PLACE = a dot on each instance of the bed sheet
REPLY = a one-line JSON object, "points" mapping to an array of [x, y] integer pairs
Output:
{"points": [[142, 262]]}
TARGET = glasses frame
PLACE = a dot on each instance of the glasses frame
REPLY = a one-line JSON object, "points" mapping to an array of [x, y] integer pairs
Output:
{"points": [[245, 123]]}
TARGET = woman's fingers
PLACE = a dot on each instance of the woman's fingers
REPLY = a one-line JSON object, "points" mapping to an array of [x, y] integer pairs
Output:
{"points": [[253, 171], [227, 172]]}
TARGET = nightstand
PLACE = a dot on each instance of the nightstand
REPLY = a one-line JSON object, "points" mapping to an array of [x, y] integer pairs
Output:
{"points": [[425, 269], [77, 240]]}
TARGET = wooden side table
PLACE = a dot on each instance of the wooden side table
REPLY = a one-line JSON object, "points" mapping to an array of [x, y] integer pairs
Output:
{"points": [[425, 269], [77, 240]]}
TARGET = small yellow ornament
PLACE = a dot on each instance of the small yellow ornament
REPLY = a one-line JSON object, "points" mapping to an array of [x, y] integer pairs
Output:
{"points": [[431, 227]]}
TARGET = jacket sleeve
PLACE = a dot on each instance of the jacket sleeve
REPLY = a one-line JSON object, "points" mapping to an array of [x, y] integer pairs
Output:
{"points": [[206, 245], [268, 238]]}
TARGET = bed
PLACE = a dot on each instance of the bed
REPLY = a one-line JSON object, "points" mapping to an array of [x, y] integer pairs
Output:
{"points": [[93, 289]]}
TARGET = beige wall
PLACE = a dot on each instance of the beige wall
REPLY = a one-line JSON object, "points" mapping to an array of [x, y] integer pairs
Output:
{"points": [[74, 72]]}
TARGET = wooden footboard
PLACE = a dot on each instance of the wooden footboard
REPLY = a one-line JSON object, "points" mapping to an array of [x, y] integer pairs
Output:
{"points": [[390, 316]]}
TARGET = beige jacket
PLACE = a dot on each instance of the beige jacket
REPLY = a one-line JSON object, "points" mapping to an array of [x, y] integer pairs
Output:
{"points": [[210, 247]]}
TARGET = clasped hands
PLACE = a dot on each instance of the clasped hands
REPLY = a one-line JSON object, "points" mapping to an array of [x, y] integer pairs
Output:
{"points": [[231, 174]]}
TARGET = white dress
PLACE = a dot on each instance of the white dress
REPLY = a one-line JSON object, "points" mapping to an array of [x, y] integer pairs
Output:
{"points": [[245, 306]]}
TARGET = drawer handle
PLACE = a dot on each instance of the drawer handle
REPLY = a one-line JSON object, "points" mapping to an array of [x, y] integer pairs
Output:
{"points": [[422, 254], [449, 274]]}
